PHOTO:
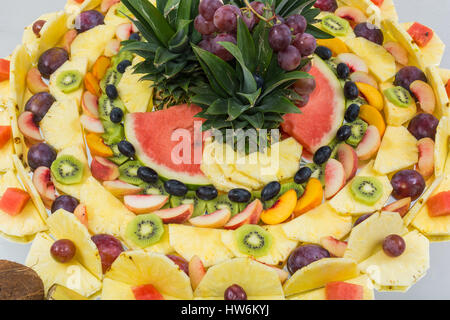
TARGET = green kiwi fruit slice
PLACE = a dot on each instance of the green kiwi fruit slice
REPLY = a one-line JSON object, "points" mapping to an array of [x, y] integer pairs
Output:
{"points": [[69, 80], [111, 77], [318, 171], [222, 202], [367, 190], [190, 198], [114, 132], [145, 230], [399, 96], [105, 106], [359, 101], [156, 188], [118, 158], [67, 170], [128, 172], [335, 25], [123, 55], [253, 240], [359, 128]]}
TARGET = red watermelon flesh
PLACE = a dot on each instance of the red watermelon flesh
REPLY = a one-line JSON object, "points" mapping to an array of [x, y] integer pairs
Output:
{"points": [[320, 119], [151, 133]]}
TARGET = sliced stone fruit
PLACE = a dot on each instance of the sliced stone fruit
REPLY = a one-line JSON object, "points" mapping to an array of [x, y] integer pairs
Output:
{"points": [[216, 219], [145, 203], [349, 159], [370, 143], [425, 95], [335, 178]]}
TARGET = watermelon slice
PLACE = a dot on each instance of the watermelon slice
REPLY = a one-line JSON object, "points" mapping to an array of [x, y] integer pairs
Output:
{"points": [[320, 119], [158, 145], [421, 34]]}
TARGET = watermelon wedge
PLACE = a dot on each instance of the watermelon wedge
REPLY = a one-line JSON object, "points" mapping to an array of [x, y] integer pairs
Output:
{"points": [[320, 119], [155, 136]]}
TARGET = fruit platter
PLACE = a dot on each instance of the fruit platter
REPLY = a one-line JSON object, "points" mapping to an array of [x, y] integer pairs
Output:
{"points": [[223, 149]]}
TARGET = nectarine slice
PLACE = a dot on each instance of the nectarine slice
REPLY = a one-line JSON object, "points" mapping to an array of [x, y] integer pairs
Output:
{"points": [[282, 209], [401, 206], [347, 156], [372, 95], [311, 198], [425, 95], [373, 117], [425, 165], [250, 215], [216, 219], [334, 178], [370, 143], [196, 271], [334, 246], [97, 146], [336, 45]]}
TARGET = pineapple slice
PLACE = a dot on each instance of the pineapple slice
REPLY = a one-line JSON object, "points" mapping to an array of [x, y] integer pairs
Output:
{"points": [[19, 66], [7, 150], [61, 126], [29, 38], [91, 44], [380, 62], [116, 290], [397, 116], [279, 252], [401, 272], [438, 84], [255, 278], [320, 222], [371, 11], [444, 74], [163, 246], [204, 243], [71, 275], [79, 64], [441, 146], [64, 225], [394, 139], [5, 93], [388, 10], [320, 294], [319, 273], [344, 202], [368, 236], [28, 222], [18, 139], [106, 213], [74, 190], [138, 268]]}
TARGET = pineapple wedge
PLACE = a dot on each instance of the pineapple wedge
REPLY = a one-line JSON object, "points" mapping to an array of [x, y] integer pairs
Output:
{"points": [[5, 93], [116, 290], [380, 62], [255, 278], [320, 294], [368, 236], [163, 246], [17, 136], [204, 243], [106, 213], [71, 275], [29, 38], [371, 11], [64, 225], [394, 139], [388, 10], [402, 271], [442, 100], [319, 222], [279, 252], [137, 268], [19, 66], [61, 126], [396, 116], [28, 222], [441, 148], [7, 150], [319, 273], [344, 202], [444, 74]]}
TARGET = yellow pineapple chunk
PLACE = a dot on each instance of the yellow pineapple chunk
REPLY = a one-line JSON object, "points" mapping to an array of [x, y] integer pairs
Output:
{"points": [[397, 116], [19, 66], [116, 290], [441, 146], [163, 246], [438, 85], [7, 150]]}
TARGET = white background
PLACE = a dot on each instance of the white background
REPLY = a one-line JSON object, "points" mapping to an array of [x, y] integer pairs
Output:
{"points": [[16, 14]]}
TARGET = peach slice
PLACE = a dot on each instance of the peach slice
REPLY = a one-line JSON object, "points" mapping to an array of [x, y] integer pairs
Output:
{"points": [[100, 67], [401, 206], [425, 95], [373, 117], [343, 291], [112, 48], [106, 4], [123, 31], [120, 188], [370, 143], [196, 271], [81, 213], [334, 178], [104, 170], [364, 77], [334, 246], [91, 124], [372, 95], [89, 104], [34, 81], [398, 52], [439, 204], [91, 84], [354, 62], [425, 166], [336, 45], [250, 215], [28, 127], [145, 203], [311, 198], [97, 146], [68, 38], [347, 156], [351, 14], [42, 181], [216, 219], [282, 209], [179, 214]]}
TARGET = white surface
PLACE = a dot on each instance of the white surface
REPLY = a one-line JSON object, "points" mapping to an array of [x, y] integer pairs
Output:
{"points": [[16, 14]]}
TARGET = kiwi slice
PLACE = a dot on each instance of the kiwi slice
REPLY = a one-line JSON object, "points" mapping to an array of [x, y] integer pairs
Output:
{"points": [[359, 128], [128, 172], [118, 158], [399, 96], [285, 187], [335, 25], [222, 202], [114, 132], [359, 101], [69, 80], [111, 77], [145, 230], [367, 190], [253, 240], [123, 55], [105, 106], [318, 171], [190, 198], [156, 188], [67, 170]]}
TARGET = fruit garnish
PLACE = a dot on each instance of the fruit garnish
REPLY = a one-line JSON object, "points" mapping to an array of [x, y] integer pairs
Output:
{"points": [[13, 201], [421, 34], [146, 292], [4, 69], [312, 197], [367, 190], [343, 291], [281, 210]]}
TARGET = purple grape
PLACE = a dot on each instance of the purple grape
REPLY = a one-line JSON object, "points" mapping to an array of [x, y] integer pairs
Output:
{"points": [[362, 218], [307, 67], [305, 86], [423, 125], [250, 19], [88, 20], [394, 245], [109, 249], [182, 263], [408, 75], [278, 20], [39, 104], [297, 23], [303, 102], [67, 203], [235, 292], [407, 183], [225, 18], [326, 5], [207, 8], [279, 37], [206, 44], [51, 60], [204, 26], [370, 32], [63, 250], [37, 26], [258, 7], [219, 50], [305, 255], [289, 59], [305, 43], [41, 155]]}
